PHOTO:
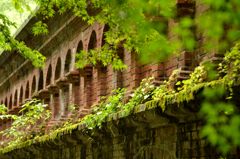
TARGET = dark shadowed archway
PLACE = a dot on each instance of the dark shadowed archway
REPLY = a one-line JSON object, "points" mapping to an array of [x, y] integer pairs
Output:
{"points": [[27, 91], [49, 75], [15, 98], [58, 69], [67, 66], [10, 103], [93, 41], [21, 95], [40, 80], [34, 84]]}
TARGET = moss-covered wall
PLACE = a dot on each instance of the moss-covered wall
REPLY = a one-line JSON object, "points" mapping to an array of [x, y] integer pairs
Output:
{"points": [[146, 135]]}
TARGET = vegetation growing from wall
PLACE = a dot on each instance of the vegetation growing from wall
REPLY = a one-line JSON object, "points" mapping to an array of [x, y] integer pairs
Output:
{"points": [[217, 110], [31, 121]]}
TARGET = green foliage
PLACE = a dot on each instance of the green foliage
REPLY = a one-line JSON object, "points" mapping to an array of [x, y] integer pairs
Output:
{"points": [[32, 119], [5, 32], [7, 42], [115, 103], [40, 28], [3, 109], [222, 126], [198, 76], [106, 106], [142, 26], [140, 95], [231, 66], [105, 55], [222, 117]]}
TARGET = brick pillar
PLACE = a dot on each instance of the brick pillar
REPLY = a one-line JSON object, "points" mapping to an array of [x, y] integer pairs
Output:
{"points": [[109, 80], [87, 89], [95, 85], [56, 101], [73, 77], [131, 78], [61, 102], [82, 97], [65, 93], [53, 100], [51, 104], [101, 82], [76, 91], [64, 87]]}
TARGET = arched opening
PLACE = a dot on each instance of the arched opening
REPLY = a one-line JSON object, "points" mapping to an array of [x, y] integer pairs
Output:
{"points": [[10, 103], [106, 28], [67, 66], [79, 47], [49, 75], [93, 41], [27, 91], [33, 84], [21, 95], [15, 98], [40, 80], [58, 69]]}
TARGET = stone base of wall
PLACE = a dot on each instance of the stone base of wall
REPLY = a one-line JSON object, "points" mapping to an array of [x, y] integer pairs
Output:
{"points": [[146, 135]]}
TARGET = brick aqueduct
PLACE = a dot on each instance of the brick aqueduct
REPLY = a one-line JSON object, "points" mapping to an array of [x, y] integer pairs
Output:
{"points": [[147, 134]]}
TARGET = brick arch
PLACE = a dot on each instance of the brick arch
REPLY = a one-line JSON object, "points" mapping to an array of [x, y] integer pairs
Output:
{"points": [[34, 84], [92, 44], [15, 99], [58, 69], [40, 80], [21, 95], [68, 61], [49, 75], [27, 90]]}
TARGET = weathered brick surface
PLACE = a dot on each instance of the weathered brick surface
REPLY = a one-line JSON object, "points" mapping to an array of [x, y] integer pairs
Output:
{"points": [[59, 83]]}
